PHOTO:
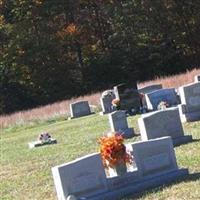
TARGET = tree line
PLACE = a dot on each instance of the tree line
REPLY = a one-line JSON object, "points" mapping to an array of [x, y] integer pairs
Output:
{"points": [[57, 49]]}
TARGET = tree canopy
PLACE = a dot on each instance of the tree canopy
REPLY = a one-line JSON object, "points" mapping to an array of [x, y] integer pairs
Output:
{"points": [[57, 49]]}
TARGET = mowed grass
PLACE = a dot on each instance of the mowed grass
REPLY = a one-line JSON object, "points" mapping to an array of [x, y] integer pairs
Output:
{"points": [[26, 173]]}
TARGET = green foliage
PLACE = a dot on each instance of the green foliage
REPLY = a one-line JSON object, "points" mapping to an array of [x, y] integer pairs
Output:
{"points": [[26, 174], [53, 50]]}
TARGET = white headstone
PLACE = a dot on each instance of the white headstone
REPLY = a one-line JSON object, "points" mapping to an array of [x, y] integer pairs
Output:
{"points": [[167, 95], [118, 123], [197, 78], [79, 109], [82, 177], [190, 102], [160, 123], [154, 156]]}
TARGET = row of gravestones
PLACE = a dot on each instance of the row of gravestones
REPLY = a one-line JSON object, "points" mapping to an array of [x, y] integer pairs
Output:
{"points": [[188, 97], [85, 178], [154, 158]]}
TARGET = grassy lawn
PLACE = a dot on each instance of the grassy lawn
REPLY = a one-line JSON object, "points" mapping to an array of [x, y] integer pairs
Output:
{"points": [[26, 173]]}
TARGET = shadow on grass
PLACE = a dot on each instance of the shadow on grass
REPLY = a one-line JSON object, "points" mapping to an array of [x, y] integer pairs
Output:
{"points": [[190, 177], [193, 141]]}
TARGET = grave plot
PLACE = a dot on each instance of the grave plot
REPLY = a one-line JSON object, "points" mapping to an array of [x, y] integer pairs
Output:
{"points": [[153, 99], [80, 109], [118, 123], [85, 178], [128, 96], [163, 123]]}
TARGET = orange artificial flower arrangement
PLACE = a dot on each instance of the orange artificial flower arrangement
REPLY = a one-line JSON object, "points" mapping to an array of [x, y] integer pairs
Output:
{"points": [[113, 151], [115, 102]]}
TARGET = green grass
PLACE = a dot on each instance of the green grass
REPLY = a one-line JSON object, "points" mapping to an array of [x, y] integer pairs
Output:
{"points": [[26, 173]]}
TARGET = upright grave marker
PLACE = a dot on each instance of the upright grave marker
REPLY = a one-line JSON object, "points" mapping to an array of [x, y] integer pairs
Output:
{"points": [[79, 109], [128, 96], [166, 95], [190, 102], [106, 101], [197, 78], [163, 123], [118, 123], [82, 177], [85, 177]]}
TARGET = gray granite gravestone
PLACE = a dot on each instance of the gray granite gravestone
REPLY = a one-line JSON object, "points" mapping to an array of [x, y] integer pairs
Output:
{"points": [[82, 177], [163, 123], [150, 88], [190, 102], [79, 109], [128, 96], [85, 178], [118, 123], [154, 98]]}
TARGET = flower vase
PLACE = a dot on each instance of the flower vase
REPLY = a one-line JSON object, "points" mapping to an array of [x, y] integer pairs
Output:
{"points": [[119, 170]]}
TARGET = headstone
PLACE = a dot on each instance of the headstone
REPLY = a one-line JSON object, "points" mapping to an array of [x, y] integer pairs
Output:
{"points": [[81, 178], [150, 88], [128, 96], [167, 95], [118, 123], [154, 156], [106, 101], [163, 123], [197, 78], [79, 109], [190, 102], [85, 178]]}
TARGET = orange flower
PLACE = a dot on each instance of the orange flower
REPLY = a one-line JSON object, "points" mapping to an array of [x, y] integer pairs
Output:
{"points": [[113, 151], [71, 29], [116, 102]]}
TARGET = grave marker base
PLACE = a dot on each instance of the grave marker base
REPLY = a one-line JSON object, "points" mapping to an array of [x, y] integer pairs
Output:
{"points": [[38, 143], [139, 186], [69, 118]]}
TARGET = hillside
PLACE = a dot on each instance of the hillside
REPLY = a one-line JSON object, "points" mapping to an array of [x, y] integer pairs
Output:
{"points": [[26, 174]]}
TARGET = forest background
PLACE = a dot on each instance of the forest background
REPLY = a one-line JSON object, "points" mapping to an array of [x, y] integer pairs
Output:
{"points": [[58, 49]]}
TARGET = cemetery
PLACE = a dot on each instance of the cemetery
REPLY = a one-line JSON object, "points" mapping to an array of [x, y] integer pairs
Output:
{"points": [[119, 154], [100, 100]]}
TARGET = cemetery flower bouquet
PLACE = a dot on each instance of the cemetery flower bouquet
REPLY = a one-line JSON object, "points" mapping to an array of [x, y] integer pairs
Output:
{"points": [[113, 151], [116, 103], [44, 137], [162, 105]]}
